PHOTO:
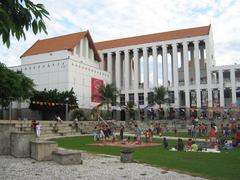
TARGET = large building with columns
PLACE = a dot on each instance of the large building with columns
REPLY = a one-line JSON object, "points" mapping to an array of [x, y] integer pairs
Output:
{"points": [[182, 60]]}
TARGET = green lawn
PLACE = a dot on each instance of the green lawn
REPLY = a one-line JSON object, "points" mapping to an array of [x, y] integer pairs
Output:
{"points": [[225, 165]]}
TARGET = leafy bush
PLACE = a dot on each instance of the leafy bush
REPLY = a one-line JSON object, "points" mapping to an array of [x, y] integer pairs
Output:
{"points": [[79, 114]]}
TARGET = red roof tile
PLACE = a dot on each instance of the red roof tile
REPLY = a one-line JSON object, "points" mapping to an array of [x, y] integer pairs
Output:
{"points": [[65, 42], [164, 36]]}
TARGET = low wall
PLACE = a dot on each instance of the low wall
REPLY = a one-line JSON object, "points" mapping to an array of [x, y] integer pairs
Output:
{"points": [[5, 131]]}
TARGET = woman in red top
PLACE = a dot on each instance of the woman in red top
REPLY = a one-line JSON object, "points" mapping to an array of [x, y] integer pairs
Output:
{"points": [[212, 136], [237, 136]]}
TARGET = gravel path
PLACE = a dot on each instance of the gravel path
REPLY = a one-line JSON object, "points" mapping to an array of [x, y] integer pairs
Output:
{"points": [[94, 167]]}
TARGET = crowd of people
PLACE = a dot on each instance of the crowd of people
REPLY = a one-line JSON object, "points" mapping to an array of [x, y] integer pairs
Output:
{"points": [[216, 137]]}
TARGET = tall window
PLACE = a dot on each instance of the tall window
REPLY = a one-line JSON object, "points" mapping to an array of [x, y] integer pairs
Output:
{"points": [[141, 98], [150, 98], [122, 99], [131, 97]]}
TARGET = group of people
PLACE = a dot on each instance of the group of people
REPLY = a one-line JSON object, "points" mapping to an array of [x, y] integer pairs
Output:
{"points": [[103, 132], [196, 129]]}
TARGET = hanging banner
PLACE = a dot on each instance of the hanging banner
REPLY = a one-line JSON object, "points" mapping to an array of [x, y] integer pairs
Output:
{"points": [[193, 98], [96, 83], [204, 98], [216, 102]]}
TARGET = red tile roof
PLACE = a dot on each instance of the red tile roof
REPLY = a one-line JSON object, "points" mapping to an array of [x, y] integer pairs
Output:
{"points": [[164, 36], [65, 42]]}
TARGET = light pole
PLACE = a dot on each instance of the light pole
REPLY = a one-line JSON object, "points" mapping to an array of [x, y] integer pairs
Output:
{"points": [[66, 113], [10, 109]]}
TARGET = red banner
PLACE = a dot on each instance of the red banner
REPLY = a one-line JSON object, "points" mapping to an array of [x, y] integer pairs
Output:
{"points": [[96, 83]]}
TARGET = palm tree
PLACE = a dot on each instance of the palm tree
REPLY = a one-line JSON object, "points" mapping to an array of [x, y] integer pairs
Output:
{"points": [[108, 94], [130, 107], [160, 95]]}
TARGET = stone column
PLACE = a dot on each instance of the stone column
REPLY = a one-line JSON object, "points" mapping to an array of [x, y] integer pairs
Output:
{"points": [[81, 47], [209, 83], [221, 87], [87, 48], [186, 74], [233, 86], [136, 74], [136, 70], [145, 70], [175, 74], [109, 64], [165, 65], [197, 73], [126, 75], [118, 70], [155, 66]]}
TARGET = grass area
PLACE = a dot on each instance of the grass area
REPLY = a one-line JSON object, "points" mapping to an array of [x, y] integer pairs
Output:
{"points": [[224, 165]]}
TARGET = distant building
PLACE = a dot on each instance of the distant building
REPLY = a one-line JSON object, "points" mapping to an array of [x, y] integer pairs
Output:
{"points": [[181, 60]]}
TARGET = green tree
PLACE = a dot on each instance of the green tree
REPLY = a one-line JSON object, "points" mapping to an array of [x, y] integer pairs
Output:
{"points": [[53, 101], [108, 94], [17, 16], [14, 86], [160, 95]]}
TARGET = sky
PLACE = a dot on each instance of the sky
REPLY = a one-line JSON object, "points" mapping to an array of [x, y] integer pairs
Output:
{"points": [[111, 19]]}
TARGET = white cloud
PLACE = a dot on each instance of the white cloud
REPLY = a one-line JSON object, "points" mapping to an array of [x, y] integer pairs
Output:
{"points": [[112, 19]]}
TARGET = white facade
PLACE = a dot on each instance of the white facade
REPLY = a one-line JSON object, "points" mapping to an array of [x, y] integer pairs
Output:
{"points": [[64, 70]]}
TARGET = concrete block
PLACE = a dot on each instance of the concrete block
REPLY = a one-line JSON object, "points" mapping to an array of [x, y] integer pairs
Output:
{"points": [[20, 143], [67, 157], [5, 131], [126, 155], [42, 150]]}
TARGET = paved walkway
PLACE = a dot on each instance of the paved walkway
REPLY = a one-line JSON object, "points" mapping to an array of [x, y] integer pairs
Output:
{"points": [[94, 167]]}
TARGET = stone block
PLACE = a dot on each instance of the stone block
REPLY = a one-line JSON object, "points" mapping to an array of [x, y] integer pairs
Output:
{"points": [[67, 157], [42, 150], [126, 155], [5, 145], [20, 143]]}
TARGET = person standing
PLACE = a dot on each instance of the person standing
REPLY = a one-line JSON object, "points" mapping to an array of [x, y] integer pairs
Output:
{"points": [[138, 133], [38, 129], [121, 131]]}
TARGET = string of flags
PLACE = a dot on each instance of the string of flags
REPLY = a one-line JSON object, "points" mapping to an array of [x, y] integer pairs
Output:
{"points": [[40, 103]]}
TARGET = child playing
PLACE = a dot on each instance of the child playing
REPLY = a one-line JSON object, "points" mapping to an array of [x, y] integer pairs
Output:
{"points": [[165, 143], [189, 144]]}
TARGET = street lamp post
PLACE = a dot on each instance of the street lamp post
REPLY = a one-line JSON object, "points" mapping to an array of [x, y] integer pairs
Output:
{"points": [[10, 109], [66, 114], [10, 112]]}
